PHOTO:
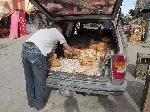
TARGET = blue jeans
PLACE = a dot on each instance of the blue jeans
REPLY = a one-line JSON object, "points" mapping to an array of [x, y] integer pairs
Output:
{"points": [[35, 67]]}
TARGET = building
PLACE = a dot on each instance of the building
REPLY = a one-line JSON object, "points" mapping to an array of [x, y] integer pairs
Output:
{"points": [[138, 7], [143, 10], [146, 14], [146, 9]]}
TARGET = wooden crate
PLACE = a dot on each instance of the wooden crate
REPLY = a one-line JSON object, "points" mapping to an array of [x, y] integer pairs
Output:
{"points": [[142, 65], [146, 95]]}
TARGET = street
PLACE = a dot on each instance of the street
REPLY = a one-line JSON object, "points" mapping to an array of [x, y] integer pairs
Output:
{"points": [[13, 95]]}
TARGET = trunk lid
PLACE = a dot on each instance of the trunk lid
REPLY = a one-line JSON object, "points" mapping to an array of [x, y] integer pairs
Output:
{"points": [[78, 9]]}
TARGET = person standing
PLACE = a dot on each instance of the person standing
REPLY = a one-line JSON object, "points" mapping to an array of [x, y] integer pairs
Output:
{"points": [[34, 53], [14, 25]]}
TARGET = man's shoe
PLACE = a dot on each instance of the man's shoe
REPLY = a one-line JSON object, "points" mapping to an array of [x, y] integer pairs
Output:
{"points": [[31, 105], [47, 108]]}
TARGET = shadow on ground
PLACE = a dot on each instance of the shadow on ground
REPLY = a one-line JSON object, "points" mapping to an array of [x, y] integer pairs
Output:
{"points": [[116, 104], [71, 105], [48, 91], [135, 90], [131, 69]]}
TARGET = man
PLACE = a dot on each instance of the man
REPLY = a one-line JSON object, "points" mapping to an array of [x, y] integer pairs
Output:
{"points": [[107, 25], [34, 53]]}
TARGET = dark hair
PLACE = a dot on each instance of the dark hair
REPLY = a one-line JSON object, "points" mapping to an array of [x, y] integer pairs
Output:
{"points": [[58, 25], [107, 33]]}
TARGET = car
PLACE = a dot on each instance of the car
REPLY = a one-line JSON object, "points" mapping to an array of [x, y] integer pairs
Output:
{"points": [[83, 23]]}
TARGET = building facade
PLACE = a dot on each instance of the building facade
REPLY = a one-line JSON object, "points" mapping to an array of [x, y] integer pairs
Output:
{"points": [[143, 8], [139, 4]]}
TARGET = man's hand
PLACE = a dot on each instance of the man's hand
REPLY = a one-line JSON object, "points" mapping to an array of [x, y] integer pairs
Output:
{"points": [[76, 52], [71, 50]]}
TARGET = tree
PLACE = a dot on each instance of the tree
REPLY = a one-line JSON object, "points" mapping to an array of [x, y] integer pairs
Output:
{"points": [[132, 12], [122, 15]]}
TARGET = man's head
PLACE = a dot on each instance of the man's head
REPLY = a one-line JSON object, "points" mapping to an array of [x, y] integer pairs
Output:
{"points": [[59, 26]]}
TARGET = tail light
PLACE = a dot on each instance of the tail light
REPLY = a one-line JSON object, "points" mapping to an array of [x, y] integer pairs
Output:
{"points": [[119, 66]]}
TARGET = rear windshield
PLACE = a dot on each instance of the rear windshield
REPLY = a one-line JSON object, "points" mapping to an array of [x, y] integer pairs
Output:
{"points": [[77, 7]]}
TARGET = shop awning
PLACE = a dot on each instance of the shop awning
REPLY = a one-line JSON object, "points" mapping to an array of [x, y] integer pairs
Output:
{"points": [[29, 7], [5, 9]]}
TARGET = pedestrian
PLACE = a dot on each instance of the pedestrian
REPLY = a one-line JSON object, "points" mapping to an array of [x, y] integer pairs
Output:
{"points": [[14, 25], [34, 53]]}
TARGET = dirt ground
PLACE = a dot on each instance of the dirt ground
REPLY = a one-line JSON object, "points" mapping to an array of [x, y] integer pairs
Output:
{"points": [[13, 95]]}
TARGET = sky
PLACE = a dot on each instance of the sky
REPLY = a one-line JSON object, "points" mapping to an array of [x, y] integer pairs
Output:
{"points": [[127, 5]]}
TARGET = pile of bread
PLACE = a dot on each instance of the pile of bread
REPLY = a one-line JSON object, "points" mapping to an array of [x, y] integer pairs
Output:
{"points": [[86, 58]]}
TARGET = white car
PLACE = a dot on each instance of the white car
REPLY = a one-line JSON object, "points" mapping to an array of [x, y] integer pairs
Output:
{"points": [[81, 13]]}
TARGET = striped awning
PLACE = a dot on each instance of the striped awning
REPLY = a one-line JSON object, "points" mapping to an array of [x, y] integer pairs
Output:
{"points": [[5, 9]]}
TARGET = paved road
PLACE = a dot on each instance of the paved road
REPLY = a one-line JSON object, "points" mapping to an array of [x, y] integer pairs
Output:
{"points": [[13, 95]]}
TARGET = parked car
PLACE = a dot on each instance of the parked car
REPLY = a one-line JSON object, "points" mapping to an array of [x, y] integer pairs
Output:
{"points": [[80, 13]]}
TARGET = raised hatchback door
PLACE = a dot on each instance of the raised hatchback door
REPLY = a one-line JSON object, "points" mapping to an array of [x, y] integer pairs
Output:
{"points": [[79, 9]]}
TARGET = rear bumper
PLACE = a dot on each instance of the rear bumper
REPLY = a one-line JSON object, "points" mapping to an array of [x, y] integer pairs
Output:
{"points": [[88, 87]]}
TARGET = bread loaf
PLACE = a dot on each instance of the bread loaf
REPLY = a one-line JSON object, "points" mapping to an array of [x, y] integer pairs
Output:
{"points": [[101, 55], [55, 63], [86, 61], [67, 54], [102, 46], [93, 46], [106, 39], [89, 52]]}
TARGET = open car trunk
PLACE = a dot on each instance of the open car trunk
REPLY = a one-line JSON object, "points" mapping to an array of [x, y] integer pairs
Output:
{"points": [[73, 75], [78, 9], [93, 60]]}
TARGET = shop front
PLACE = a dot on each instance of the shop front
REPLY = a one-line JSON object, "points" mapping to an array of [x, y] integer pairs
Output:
{"points": [[5, 12], [138, 30]]}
